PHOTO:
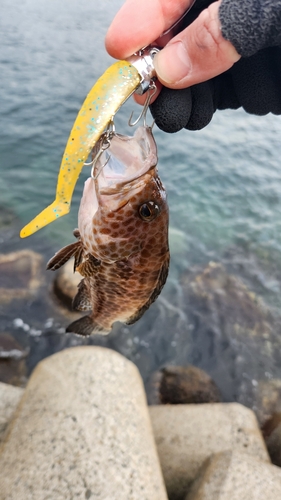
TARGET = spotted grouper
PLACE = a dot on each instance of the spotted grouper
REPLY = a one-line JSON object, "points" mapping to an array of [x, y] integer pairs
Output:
{"points": [[122, 247]]}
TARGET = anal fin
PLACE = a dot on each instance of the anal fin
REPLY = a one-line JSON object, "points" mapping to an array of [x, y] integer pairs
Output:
{"points": [[86, 326]]}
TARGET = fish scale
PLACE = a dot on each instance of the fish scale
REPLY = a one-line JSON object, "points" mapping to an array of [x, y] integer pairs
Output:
{"points": [[122, 250]]}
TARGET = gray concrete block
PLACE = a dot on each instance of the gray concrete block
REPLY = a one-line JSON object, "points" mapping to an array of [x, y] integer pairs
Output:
{"points": [[9, 399], [186, 435], [235, 476], [82, 430]]}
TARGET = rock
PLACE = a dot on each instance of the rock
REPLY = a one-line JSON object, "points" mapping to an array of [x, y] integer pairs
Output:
{"points": [[66, 283], [182, 385], [232, 305], [13, 368], [20, 274], [82, 430], [267, 399], [186, 435], [235, 476], [236, 338], [272, 435], [9, 399]]}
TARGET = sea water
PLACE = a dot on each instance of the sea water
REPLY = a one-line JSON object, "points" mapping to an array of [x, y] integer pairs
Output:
{"points": [[223, 182]]}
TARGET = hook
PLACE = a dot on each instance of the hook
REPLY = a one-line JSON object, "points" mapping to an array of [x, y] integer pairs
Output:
{"points": [[104, 142], [145, 107], [93, 174]]}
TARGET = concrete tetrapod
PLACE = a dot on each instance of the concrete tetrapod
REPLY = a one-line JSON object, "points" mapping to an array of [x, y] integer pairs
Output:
{"points": [[236, 476], [82, 430], [187, 435]]}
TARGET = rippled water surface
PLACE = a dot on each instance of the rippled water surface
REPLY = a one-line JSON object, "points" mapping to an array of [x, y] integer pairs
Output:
{"points": [[223, 183]]}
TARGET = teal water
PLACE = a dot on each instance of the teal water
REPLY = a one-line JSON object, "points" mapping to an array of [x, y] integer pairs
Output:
{"points": [[223, 183]]}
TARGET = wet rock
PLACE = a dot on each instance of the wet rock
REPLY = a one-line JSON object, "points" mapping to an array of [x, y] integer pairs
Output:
{"points": [[21, 275], [182, 385], [235, 476], [13, 368], [82, 430], [267, 399], [66, 283], [272, 436], [187, 435], [225, 302], [9, 399]]}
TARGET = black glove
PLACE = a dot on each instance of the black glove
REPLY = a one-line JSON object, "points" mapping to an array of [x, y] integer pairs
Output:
{"points": [[253, 82]]}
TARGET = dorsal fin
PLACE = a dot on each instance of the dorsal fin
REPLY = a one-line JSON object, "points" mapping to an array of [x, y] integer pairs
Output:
{"points": [[82, 300], [63, 255], [160, 283]]}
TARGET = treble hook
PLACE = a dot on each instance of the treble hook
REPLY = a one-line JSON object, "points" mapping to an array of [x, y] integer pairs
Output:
{"points": [[93, 174], [104, 144], [145, 107]]}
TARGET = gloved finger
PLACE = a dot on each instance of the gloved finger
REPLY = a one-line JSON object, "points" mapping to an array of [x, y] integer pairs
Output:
{"points": [[171, 110], [224, 92], [202, 108], [196, 54], [257, 82]]}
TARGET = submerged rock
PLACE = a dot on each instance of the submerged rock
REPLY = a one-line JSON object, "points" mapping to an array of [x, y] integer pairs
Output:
{"points": [[182, 385], [21, 275], [7, 217], [236, 338]]}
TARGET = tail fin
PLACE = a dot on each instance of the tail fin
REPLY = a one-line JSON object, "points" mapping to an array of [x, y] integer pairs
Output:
{"points": [[86, 326], [57, 209]]}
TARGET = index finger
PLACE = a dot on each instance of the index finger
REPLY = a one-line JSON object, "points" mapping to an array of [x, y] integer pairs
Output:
{"points": [[140, 22]]}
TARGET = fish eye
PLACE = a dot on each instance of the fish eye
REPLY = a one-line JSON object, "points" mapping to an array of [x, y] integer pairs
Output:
{"points": [[148, 211]]}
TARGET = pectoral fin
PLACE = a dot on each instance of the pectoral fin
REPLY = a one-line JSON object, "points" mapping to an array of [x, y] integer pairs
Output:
{"points": [[89, 266], [63, 255], [86, 326]]}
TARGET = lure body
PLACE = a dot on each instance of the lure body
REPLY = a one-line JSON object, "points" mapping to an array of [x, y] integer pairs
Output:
{"points": [[109, 93]]}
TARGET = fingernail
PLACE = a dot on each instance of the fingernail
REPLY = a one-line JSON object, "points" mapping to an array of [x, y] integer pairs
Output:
{"points": [[172, 63]]}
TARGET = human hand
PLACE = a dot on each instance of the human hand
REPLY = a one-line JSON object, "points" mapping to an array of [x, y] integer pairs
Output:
{"points": [[253, 82], [195, 55]]}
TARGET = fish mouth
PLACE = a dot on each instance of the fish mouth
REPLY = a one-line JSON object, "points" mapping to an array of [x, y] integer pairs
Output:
{"points": [[126, 159]]}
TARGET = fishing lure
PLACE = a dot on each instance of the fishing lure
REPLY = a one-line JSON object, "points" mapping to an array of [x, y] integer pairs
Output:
{"points": [[112, 89]]}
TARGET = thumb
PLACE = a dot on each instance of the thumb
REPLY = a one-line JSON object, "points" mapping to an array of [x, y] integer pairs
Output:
{"points": [[196, 54]]}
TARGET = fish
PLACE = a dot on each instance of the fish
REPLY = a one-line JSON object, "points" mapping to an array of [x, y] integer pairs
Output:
{"points": [[122, 249]]}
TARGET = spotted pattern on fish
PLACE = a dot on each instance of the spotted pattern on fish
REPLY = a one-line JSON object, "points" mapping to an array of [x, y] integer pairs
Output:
{"points": [[123, 251]]}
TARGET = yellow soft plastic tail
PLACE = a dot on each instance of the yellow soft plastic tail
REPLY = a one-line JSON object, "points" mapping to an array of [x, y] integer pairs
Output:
{"points": [[109, 93]]}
